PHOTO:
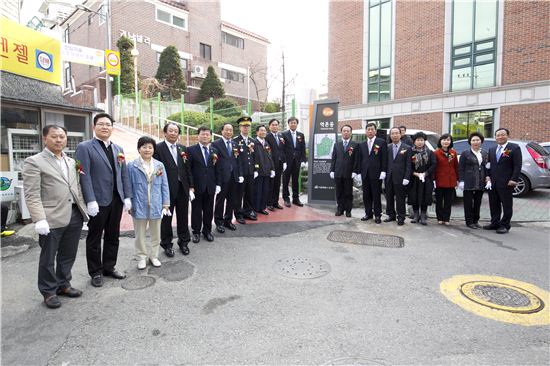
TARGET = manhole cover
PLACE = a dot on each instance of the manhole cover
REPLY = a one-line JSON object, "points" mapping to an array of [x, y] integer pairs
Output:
{"points": [[358, 237], [138, 282], [173, 270], [502, 297], [301, 267]]}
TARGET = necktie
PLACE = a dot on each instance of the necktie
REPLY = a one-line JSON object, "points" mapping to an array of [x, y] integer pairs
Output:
{"points": [[499, 152], [370, 146], [276, 139], [394, 151], [174, 153], [345, 145], [206, 155], [294, 138], [228, 143]]}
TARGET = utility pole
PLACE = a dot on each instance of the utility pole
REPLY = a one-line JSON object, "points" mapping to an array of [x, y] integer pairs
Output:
{"points": [[283, 96], [108, 91]]}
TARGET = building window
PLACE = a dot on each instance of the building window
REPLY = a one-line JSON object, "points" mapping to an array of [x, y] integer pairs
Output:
{"points": [[474, 44], [380, 29], [232, 75], [206, 51], [233, 40], [464, 123], [178, 21]]}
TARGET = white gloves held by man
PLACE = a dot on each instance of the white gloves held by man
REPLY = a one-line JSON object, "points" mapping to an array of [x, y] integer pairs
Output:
{"points": [[191, 195], [218, 189], [42, 227], [353, 175], [127, 204], [331, 175], [284, 166], [382, 175], [405, 182], [272, 174], [166, 212], [92, 208], [461, 186], [241, 179], [255, 175]]}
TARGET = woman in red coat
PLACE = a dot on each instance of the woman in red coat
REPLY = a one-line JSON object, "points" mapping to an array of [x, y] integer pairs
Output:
{"points": [[446, 177]]}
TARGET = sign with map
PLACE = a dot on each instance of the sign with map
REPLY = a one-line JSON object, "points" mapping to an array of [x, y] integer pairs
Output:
{"points": [[324, 130]]}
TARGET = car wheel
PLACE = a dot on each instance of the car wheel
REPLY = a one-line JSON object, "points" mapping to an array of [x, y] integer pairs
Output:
{"points": [[523, 187]]}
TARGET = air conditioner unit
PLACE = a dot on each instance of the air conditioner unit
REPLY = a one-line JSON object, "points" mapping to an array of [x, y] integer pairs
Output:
{"points": [[198, 69]]}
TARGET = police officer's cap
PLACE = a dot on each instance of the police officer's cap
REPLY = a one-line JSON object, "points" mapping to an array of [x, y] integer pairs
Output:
{"points": [[244, 121]]}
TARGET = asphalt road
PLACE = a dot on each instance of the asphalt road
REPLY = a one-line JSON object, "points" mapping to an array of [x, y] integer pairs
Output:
{"points": [[226, 303]]}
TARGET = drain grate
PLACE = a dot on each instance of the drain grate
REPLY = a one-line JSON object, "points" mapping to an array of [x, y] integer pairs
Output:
{"points": [[361, 238], [301, 267], [138, 282], [502, 296]]}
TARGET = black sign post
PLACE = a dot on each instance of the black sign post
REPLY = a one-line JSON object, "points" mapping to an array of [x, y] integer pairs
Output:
{"points": [[324, 129]]}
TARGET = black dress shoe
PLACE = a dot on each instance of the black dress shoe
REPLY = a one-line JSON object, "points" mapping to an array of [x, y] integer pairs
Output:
{"points": [[251, 217], [502, 230], [271, 208], [169, 252], [490, 227], [184, 249], [287, 203], [220, 229], [52, 301], [69, 292], [196, 238], [389, 219], [472, 226], [263, 212], [241, 221], [378, 220], [338, 213], [400, 222], [230, 226], [115, 274], [477, 225], [97, 281], [348, 214], [298, 203], [208, 236], [278, 206], [366, 217]]}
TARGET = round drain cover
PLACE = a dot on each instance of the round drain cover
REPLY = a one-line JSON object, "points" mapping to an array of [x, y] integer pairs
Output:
{"points": [[301, 267], [502, 296], [138, 283]]}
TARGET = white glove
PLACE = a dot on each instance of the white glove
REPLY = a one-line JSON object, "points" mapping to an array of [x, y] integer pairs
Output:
{"points": [[284, 166], [461, 186], [331, 175], [435, 185], [218, 189], [488, 186], [422, 177], [353, 175], [272, 174], [42, 227], [166, 212], [382, 175], [127, 204], [255, 175], [358, 179], [303, 165], [191, 195], [241, 179], [405, 182], [92, 208]]}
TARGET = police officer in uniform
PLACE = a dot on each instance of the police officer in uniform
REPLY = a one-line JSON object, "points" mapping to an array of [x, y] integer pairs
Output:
{"points": [[245, 144]]}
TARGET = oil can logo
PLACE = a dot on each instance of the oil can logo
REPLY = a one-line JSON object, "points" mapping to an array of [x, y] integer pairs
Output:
{"points": [[327, 111], [5, 183], [44, 60]]}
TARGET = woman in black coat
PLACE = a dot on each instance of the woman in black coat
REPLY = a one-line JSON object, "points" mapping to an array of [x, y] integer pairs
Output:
{"points": [[472, 178], [423, 164]]}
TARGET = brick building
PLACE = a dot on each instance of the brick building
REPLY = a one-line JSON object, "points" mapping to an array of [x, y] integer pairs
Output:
{"points": [[195, 28], [444, 66]]}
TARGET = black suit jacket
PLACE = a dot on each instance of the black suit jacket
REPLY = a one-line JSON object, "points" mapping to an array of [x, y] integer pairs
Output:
{"points": [[507, 168], [246, 156], [263, 162], [298, 153], [371, 165], [398, 168], [175, 173], [277, 151], [343, 163], [471, 172], [205, 177], [228, 165]]}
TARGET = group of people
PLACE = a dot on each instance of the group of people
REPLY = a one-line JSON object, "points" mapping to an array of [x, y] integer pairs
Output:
{"points": [[231, 176], [410, 172]]}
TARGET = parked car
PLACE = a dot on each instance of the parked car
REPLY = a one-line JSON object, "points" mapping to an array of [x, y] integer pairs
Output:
{"points": [[535, 172], [546, 146]]}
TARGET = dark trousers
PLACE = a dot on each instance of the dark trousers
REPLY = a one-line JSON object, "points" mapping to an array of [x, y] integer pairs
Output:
{"points": [[371, 196], [202, 212], [472, 205], [181, 205], [501, 202], [443, 203], [4, 215], [275, 185], [246, 197], [344, 194], [423, 208], [57, 255], [107, 224], [396, 194], [226, 203], [292, 170], [261, 188]]}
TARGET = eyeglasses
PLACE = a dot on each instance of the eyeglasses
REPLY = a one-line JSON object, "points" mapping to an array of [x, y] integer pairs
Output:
{"points": [[101, 124]]}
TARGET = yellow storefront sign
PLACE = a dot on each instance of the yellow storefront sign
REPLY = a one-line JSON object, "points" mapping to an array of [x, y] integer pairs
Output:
{"points": [[29, 53], [112, 62]]}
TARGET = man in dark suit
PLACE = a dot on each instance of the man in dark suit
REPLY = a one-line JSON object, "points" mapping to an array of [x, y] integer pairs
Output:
{"points": [[245, 144], [230, 177], [295, 156], [174, 157], [342, 170], [404, 137], [397, 177], [504, 168], [203, 159], [275, 139], [373, 165], [106, 189]]}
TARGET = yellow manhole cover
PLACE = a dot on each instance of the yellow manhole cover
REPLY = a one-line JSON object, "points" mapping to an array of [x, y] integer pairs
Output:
{"points": [[499, 298]]}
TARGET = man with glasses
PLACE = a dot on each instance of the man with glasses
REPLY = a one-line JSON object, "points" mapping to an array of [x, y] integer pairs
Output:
{"points": [[106, 190]]}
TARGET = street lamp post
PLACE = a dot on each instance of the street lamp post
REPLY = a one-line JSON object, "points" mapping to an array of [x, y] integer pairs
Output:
{"points": [[135, 54]]}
